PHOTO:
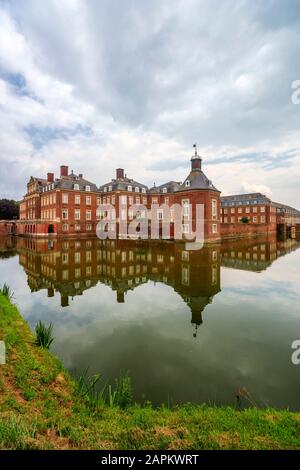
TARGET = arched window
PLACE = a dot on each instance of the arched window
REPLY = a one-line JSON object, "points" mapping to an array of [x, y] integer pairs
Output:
{"points": [[187, 183]]}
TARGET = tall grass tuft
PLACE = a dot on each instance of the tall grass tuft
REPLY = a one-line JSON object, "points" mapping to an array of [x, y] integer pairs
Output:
{"points": [[120, 394], [88, 387], [7, 291], [44, 335]]}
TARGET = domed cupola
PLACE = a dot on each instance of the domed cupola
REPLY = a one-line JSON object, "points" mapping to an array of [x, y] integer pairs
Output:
{"points": [[196, 160]]}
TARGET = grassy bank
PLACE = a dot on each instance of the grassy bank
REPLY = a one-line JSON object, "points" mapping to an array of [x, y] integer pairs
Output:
{"points": [[41, 408]]}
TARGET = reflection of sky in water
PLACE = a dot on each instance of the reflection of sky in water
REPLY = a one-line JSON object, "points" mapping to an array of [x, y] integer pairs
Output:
{"points": [[245, 338]]}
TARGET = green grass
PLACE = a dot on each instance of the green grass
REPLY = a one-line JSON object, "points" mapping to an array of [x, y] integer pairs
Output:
{"points": [[42, 407], [44, 336]]}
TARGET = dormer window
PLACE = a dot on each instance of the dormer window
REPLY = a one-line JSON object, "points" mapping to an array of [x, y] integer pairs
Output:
{"points": [[109, 188], [87, 188], [187, 183], [143, 190], [129, 188], [76, 187], [165, 190], [137, 189], [105, 189]]}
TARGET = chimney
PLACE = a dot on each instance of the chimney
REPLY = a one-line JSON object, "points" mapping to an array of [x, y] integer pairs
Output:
{"points": [[120, 173], [80, 175], [64, 170], [50, 177]]}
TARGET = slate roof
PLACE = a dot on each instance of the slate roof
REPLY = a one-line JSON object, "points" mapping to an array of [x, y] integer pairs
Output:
{"points": [[286, 209], [197, 180], [122, 184], [68, 182], [244, 199], [171, 186]]}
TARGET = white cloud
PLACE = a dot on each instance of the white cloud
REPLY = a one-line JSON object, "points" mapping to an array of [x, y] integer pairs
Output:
{"points": [[98, 85]]}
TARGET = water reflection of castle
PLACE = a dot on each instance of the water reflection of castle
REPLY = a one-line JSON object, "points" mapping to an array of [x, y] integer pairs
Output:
{"points": [[72, 266]]}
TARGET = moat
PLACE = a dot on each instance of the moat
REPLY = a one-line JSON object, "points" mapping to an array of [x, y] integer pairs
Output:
{"points": [[189, 326]]}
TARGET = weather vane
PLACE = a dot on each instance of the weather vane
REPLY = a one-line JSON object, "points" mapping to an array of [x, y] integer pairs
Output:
{"points": [[195, 147]]}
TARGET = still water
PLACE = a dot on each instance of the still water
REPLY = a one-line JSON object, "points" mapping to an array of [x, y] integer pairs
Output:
{"points": [[188, 326]]}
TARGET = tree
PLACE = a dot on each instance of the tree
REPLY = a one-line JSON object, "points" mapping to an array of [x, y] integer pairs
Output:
{"points": [[245, 220], [9, 209]]}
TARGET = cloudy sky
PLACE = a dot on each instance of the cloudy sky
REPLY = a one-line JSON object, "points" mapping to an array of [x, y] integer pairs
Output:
{"points": [[97, 84]]}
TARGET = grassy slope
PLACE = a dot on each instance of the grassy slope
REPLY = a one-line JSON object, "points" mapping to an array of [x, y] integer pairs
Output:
{"points": [[40, 409]]}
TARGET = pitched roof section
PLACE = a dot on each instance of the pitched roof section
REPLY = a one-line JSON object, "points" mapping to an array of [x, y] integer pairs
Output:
{"points": [[197, 180], [245, 199], [122, 185], [69, 182], [169, 187]]}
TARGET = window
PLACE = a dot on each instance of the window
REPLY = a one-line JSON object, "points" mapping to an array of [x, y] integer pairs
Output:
{"points": [[214, 207], [89, 227], [113, 199], [77, 214], [254, 209], [123, 214], [185, 228], [232, 211], [76, 187], [65, 214], [87, 188], [165, 190], [65, 258], [225, 220], [65, 198], [143, 190], [137, 189], [88, 200], [77, 199], [185, 276], [255, 219], [88, 215], [263, 209], [65, 227], [109, 188], [129, 188], [225, 211], [137, 200], [77, 257], [247, 210], [214, 228], [105, 189], [160, 215], [187, 183], [144, 201], [186, 207], [154, 200], [262, 219], [123, 199], [77, 228], [240, 210], [130, 200], [232, 220]]}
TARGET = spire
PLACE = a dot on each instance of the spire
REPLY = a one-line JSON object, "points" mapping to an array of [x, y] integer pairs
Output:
{"points": [[196, 160]]}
